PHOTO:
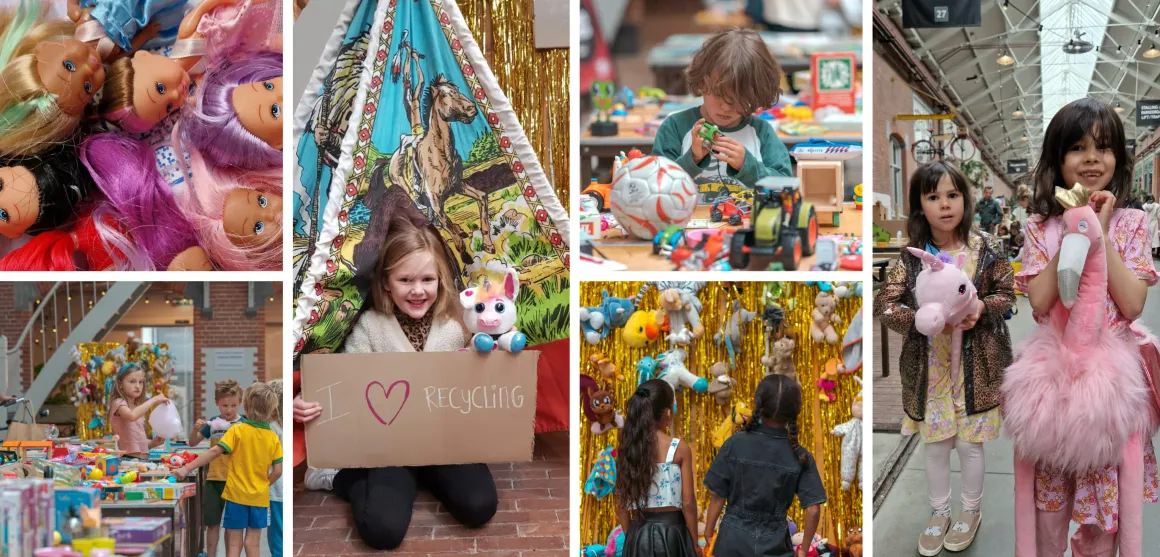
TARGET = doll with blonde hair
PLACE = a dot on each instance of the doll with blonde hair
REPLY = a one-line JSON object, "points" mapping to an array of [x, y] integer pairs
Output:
{"points": [[48, 76]]}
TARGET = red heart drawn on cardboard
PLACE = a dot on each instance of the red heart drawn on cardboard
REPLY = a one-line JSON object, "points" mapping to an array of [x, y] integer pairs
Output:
{"points": [[387, 397]]}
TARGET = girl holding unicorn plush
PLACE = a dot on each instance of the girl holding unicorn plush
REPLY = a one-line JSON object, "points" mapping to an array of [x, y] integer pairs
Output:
{"points": [[947, 296], [416, 309]]}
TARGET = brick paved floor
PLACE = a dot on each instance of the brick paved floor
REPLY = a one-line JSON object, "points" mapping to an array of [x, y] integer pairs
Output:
{"points": [[887, 406], [532, 520]]}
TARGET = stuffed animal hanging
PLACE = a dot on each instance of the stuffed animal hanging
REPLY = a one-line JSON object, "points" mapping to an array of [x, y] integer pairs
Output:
{"points": [[826, 380], [489, 312], [599, 407], [612, 313], [721, 387], [605, 366], [641, 329], [780, 362], [824, 318], [680, 307], [853, 543], [730, 333], [737, 419], [602, 480], [646, 369], [851, 434], [674, 372], [852, 345]]}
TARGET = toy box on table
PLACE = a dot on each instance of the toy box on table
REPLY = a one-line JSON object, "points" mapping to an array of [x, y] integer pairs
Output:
{"points": [[27, 520], [138, 531], [75, 498]]}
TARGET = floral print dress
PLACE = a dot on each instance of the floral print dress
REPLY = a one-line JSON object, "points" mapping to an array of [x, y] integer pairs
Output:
{"points": [[1094, 497], [946, 403]]}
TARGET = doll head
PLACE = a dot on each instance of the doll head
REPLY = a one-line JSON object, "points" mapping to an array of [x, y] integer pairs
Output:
{"points": [[94, 244], [41, 192], [124, 170], [237, 122], [237, 215], [48, 80], [143, 90]]}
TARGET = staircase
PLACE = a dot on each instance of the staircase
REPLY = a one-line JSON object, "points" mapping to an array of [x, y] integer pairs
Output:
{"points": [[56, 326]]}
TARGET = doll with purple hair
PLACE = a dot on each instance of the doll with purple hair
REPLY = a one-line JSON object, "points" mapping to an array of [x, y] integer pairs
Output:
{"points": [[236, 121], [124, 171]]}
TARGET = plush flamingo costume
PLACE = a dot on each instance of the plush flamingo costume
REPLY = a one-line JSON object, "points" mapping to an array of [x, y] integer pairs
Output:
{"points": [[1075, 399]]}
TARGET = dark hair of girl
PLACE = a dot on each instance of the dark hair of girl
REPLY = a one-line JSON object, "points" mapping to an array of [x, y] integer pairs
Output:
{"points": [[62, 182], [779, 399], [924, 181], [1079, 119], [636, 457]]}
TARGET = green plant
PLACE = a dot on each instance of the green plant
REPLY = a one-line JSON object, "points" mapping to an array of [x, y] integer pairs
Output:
{"points": [[880, 234], [520, 246], [544, 318], [484, 149], [976, 172]]}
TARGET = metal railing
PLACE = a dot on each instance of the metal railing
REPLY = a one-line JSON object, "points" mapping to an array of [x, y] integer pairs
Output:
{"points": [[50, 327]]}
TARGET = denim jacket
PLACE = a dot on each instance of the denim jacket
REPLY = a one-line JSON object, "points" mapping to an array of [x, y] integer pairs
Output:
{"points": [[759, 475]]}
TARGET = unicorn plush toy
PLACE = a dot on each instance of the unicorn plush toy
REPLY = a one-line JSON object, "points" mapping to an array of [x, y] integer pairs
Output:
{"points": [[945, 296], [489, 312], [674, 372]]}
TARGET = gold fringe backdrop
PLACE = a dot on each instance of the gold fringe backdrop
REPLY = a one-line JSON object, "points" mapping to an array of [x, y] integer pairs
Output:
{"points": [[536, 81], [698, 413], [98, 401]]}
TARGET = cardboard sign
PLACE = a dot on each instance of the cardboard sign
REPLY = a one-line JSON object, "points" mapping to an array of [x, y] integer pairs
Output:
{"points": [[833, 80], [416, 409], [1147, 112]]}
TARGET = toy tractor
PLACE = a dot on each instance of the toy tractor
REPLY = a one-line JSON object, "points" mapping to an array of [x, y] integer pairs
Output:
{"points": [[783, 226]]}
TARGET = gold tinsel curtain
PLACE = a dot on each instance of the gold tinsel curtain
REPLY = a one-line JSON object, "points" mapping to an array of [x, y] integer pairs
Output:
{"points": [[156, 381], [535, 81], [699, 414]]}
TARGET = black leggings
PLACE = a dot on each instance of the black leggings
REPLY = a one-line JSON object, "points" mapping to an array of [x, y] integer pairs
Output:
{"points": [[381, 499]]}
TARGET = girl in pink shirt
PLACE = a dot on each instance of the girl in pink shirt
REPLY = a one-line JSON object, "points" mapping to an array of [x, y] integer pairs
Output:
{"points": [[127, 411]]}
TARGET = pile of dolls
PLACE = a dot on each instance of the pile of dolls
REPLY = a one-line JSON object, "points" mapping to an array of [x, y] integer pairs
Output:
{"points": [[140, 135]]}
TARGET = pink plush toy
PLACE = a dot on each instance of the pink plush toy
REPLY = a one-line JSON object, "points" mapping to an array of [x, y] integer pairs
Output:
{"points": [[1075, 399], [946, 296]]}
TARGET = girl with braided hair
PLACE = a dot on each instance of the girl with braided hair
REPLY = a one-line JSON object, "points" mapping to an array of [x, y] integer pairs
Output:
{"points": [[759, 471], [654, 488]]}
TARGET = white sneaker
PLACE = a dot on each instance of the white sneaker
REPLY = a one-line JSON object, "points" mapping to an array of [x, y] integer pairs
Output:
{"points": [[319, 479]]}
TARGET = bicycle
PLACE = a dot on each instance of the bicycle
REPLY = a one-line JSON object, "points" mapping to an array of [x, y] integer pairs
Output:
{"points": [[959, 149]]}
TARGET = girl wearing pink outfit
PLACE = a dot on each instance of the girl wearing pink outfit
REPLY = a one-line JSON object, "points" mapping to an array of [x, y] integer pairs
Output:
{"points": [[1086, 269], [127, 410]]}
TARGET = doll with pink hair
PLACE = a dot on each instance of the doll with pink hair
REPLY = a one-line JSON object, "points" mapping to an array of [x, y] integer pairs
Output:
{"points": [[237, 215]]}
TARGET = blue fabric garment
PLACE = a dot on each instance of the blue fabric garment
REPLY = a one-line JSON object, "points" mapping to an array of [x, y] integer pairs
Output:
{"points": [[123, 19]]}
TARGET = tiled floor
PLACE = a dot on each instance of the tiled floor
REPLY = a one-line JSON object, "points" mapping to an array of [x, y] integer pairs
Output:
{"points": [[532, 519]]}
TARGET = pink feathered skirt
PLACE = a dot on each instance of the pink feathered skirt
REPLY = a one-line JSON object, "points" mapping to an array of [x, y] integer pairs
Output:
{"points": [[1094, 496]]}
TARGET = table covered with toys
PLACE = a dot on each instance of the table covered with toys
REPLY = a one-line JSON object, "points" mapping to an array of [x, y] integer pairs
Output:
{"points": [[82, 496], [713, 343], [625, 120], [74, 498], [652, 216]]}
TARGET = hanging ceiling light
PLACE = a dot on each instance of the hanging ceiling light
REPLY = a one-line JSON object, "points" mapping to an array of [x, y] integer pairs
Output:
{"points": [[1024, 138], [1119, 108], [1018, 112], [1152, 51], [1005, 58]]}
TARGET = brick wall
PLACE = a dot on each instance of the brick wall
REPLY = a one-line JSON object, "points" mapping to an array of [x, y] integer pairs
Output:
{"points": [[12, 322], [229, 327], [891, 97]]}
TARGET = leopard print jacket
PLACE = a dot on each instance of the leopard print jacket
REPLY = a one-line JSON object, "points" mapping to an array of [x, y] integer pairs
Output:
{"points": [[986, 351]]}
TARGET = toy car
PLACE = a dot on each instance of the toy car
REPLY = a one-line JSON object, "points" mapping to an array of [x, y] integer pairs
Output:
{"points": [[600, 192], [710, 253], [783, 226], [667, 240], [730, 209]]}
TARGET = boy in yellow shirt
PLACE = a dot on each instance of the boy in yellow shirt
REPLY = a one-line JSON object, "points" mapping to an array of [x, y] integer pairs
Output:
{"points": [[255, 462]]}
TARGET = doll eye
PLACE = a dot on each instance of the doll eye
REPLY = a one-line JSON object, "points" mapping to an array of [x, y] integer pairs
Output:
{"points": [[479, 308], [169, 107], [499, 307], [160, 87], [269, 86], [68, 65], [4, 215], [88, 87], [275, 110], [262, 201], [259, 227]]}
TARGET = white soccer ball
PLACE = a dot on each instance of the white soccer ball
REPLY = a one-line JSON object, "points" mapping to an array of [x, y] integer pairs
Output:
{"points": [[650, 194]]}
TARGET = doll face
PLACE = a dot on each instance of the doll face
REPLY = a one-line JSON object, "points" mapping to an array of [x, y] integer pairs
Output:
{"points": [[160, 86], [19, 200], [192, 259], [72, 71], [259, 108], [250, 216]]}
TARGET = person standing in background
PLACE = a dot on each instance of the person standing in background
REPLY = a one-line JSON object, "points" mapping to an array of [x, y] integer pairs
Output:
{"points": [[989, 212]]}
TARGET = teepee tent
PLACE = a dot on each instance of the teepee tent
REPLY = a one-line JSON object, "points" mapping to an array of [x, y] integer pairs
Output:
{"points": [[404, 106]]}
